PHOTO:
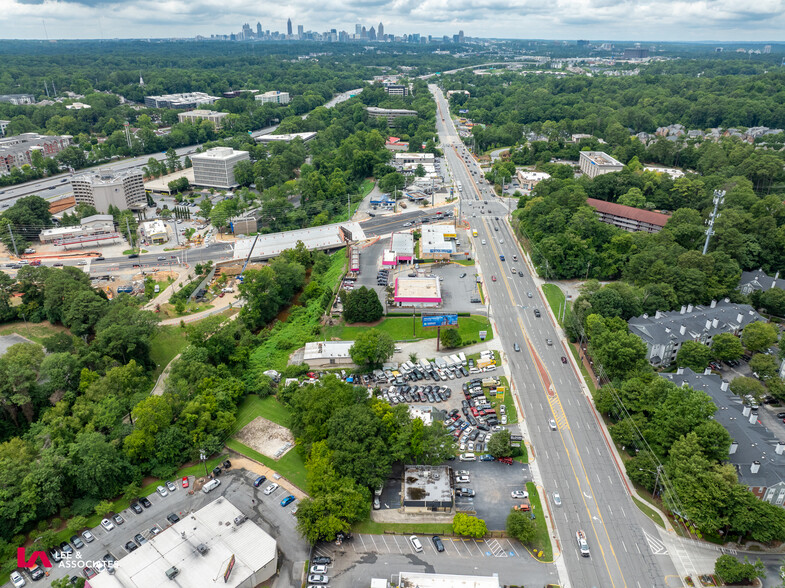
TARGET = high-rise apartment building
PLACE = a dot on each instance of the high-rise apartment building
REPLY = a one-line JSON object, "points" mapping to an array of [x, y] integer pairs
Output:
{"points": [[300, 32], [215, 167], [124, 190], [258, 30]]}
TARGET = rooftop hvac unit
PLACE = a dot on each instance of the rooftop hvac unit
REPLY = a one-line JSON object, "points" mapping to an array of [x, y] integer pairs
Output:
{"points": [[202, 548]]}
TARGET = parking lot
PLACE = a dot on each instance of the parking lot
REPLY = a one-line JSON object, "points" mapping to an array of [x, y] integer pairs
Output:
{"points": [[383, 556], [457, 291], [236, 485]]}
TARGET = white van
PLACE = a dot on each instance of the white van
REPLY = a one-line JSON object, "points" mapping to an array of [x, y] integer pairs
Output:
{"points": [[416, 545], [467, 457], [210, 486], [157, 288], [227, 290]]}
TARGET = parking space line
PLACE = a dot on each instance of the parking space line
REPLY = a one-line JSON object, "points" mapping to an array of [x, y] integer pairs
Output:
{"points": [[464, 542], [405, 542], [384, 539], [361, 540], [477, 546], [512, 548], [452, 542], [375, 547]]}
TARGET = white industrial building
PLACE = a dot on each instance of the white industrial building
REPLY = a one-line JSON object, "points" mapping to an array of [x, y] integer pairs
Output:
{"points": [[123, 189], [215, 167], [179, 101], [287, 138], [328, 353], [273, 97], [427, 580], [205, 548], [437, 241], [91, 229]]}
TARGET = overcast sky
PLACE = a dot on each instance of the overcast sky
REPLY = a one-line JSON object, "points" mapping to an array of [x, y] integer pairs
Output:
{"points": [[634, 20]]}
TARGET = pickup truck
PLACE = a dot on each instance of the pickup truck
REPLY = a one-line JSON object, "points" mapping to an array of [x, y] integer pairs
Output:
{"points": [[580, 537]]}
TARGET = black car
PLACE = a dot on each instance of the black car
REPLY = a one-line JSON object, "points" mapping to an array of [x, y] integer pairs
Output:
{"points": [[172, 518], [136, 508], [139, 538], [130, 546], [145, 503], [101, 258], [781, 415], [227, 464], [109, 558], [322, 560], [133, 256], [437, 543], [36, 573], [217, 471], [66, 548]]}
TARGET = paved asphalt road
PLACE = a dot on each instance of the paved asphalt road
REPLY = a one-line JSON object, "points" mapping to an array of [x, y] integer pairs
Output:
{"points": [[574, 460], [390, 223]]}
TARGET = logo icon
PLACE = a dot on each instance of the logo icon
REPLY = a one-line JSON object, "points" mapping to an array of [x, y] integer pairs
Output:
{"points": [[37, 555]]}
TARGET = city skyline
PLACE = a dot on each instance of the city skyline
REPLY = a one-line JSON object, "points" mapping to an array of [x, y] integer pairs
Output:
{"points": [[647, 21]]}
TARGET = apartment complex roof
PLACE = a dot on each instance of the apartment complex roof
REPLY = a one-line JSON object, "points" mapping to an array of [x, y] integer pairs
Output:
{"points": [[646, 216]]}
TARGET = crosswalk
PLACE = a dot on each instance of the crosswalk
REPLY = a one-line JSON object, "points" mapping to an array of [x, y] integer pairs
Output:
{"points": [[453, 546], [655, 544]]}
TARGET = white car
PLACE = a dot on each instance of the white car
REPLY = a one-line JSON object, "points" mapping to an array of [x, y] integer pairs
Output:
{"points": [[556, 499], [171, 486], [87, 536], [318, 569], [519, 494], [483, 242], [17, 580], [270, 489], [552, 424], [107, 524], [462, 480], [162, 491]]}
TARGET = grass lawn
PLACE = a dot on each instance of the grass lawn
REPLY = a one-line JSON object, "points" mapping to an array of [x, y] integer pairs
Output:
{"points": [[168, 311], [555, 298], [132, 251], [291, 466], [509, 403], [542, 541], [34, 331], [168, 342], [466, 262], [373, 528], [649, 512], [269, 408], [400, 328]]}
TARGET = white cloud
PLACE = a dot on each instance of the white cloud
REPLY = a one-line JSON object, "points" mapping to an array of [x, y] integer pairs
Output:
{"points": [[558, 19]]}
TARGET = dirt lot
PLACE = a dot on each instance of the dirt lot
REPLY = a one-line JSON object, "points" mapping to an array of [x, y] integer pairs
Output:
{"points": [[266, 437]]}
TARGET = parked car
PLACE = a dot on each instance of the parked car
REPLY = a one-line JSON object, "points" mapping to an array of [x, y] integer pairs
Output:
{"points": [[318, 569], [415, 543], [259, 481], [136, 507], [88, 536], [519, 494], [130, 546], [318, 579], [185, 481], [145, 502], [270, 489], [118, 520], [322, 560], [437, 543], [288, 500], [172, 518], [77, 541], [17, 580], [107, 524], [162, 491], [140, 540], [171, 486], [66, 548]]}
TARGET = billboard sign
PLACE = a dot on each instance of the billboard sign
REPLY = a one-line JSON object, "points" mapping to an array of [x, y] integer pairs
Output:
{"points": [[440, 320], [483, 335]]}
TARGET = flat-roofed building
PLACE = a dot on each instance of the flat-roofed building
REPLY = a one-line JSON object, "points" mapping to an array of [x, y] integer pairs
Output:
{"points": [[91, 229], [328, 353], [215, 167], [402, 247], [389, 114], [529, 179], [154, 231], [417, 292], [17, 98], [287, 138], [102, 189], [437, 241], [426, 489], [628, 218], [196, 115], [396, 90], [18, 150], [184, 101], [204, 548], [273, 97], [3, 125], [596, 163], [414, 158]]}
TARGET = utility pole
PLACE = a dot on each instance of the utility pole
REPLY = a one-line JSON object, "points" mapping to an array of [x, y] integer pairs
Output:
{"points": [[203, 458], [128, 231], [719, 198], [10, 232]]}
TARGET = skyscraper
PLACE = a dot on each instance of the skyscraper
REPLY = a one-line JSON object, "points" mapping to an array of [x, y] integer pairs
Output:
{"points": [[299, 31], [460, 36], [247, 31], [289, 27], [380, 32], [357, 29], [258, 30], [372, 34], [363, 33]]}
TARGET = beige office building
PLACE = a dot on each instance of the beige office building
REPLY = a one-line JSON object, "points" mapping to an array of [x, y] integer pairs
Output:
{"points": [[124, 189], [597, 163], [195, 116], [273, 97], [215, 167]]}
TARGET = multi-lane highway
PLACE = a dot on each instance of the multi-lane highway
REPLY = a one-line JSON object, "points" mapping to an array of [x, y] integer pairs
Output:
{"points": [[573, 457]]}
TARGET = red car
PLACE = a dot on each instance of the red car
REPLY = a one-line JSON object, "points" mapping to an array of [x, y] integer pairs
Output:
{"points": [[563, 359], [493, 278], [507, 460], [185, 481]]}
